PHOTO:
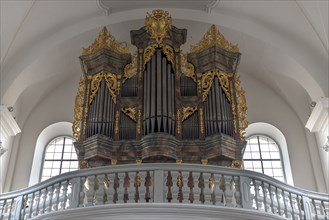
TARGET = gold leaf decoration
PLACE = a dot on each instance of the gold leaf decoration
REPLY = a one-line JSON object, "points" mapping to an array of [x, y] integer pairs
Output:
{"points": [[188, 111], [241, 106], [233, 108], [78, 109], [169, 52], [148, 53], [130, 112], [95, 82], [150, 50], [214, 38], [186, 67], [201, 120], [158, 24], [130, 69], [105, 40], [206, 82], [112, 83], [236, 164]]}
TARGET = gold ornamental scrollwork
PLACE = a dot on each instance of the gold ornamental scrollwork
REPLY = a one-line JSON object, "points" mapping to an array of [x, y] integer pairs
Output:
{"points": [[130, 69], [188, 111], [207, 80], [105, 40], [241, 107], [233, 108], [213, 38], [78, 109], [150, 50], [130, 112], [186, 67], [158, 24], [112, 83], [236, 164]]}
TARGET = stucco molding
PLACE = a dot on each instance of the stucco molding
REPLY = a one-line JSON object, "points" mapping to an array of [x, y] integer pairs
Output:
{"points": [[8, 125], [319, 117]]}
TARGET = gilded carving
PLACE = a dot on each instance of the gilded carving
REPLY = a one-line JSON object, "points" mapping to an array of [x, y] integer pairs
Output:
{"points": [[116, 128], [139, 123], [83, 164], [130, 69], [206, 82], [179, 161], [138, 161], [78, 109], [241, 107], [150, 50], [233, 108], [186, 67], [111, 83], [158, 24], [204, 161], [178, 122], [168, 51], [105, 40], [236, 164], [95, 82], [188, 111], [130, 112], [114, 162], [214, 38], [148, 53], [201, 120], [86, 110]]}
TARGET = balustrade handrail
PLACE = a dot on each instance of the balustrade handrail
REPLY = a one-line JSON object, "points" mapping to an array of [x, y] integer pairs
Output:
{"points": [[166, 167]]}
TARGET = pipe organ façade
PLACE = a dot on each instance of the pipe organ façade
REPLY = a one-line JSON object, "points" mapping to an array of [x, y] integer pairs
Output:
{"points": [[160, 104]]}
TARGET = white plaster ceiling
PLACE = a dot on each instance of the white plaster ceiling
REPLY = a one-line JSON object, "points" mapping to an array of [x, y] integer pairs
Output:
{"points": [[280, 41]]}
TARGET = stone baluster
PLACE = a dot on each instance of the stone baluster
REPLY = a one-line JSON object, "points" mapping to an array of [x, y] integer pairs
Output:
{"points": [[169, 184], [51, 197], [180, 196], [222, 186], [31, 204], [233, 192], [285, 205], [106, 182], [190, 184], [64, 194], [201, 186], [86, 187], [272, 199], [148, 184], [237, 192], [278, 194], [44, 200], [24, 206], [116, 185], [96, 188], [126, 185], [212, 189], [137, 184]]}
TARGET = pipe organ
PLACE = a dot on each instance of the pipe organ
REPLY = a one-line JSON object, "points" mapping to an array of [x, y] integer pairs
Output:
{"points": [[161, 104]]}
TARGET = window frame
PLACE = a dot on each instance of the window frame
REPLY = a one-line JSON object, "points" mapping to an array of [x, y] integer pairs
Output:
{"points": [[62, 152], [260, 154]]}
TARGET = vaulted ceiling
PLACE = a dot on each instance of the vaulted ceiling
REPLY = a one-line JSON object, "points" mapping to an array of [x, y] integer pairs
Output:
{"points": [[283, 43]]}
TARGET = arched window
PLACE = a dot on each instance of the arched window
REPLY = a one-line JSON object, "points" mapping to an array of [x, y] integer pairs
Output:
{"points": [[263, 155], [60, 157]]}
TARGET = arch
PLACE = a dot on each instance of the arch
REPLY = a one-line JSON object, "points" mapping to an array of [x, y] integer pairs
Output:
{"points": [[262, 128], [18, 74], [50, 132]]}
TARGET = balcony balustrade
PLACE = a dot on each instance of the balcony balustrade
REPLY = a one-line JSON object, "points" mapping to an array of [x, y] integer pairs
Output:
{"points": [[197, 185]]}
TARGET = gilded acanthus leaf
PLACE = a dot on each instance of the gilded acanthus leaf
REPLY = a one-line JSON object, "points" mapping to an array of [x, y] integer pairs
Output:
{"points": [[186, 67], [241, 106], [207, 80], [130, 69], [78, 109], [105, 40], [158, 24], [188, 111], [130, 112], [150, 50], [214, 38], [112, 84]]}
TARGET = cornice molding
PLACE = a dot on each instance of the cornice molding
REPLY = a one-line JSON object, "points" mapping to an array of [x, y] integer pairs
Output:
{"points": [[319, 117], [8, 125]]}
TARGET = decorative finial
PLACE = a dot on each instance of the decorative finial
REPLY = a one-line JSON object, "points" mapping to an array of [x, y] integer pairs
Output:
{"points": [[214, 38], [105, 40], [158, 24]]}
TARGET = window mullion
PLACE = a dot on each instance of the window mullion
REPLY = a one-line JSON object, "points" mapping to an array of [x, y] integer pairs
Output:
{"points": [[260, 154]]}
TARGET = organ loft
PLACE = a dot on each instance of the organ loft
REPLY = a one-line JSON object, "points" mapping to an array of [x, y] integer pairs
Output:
{"points": [[161, 104]]}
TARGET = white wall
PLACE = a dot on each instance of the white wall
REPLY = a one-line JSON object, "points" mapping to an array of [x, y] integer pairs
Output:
{"points": [[263, 106]]}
